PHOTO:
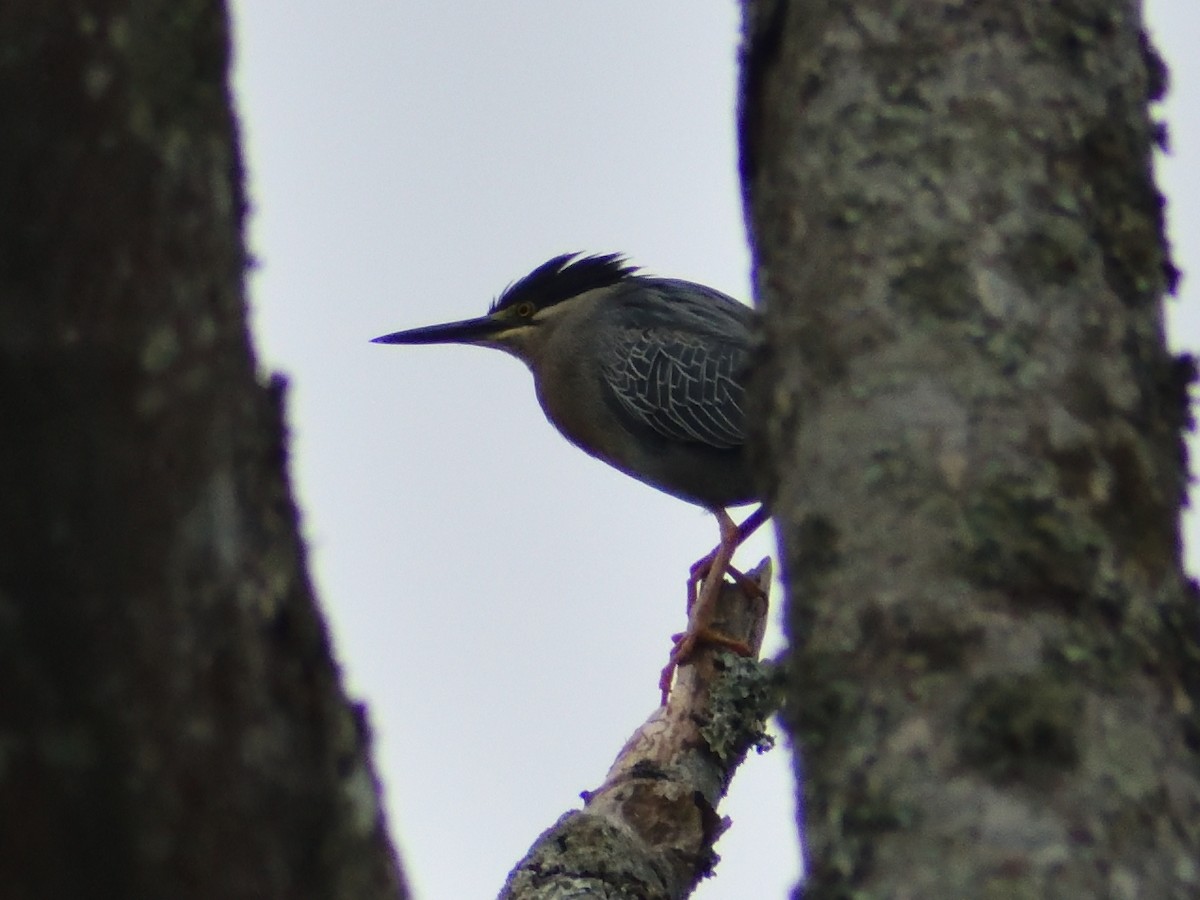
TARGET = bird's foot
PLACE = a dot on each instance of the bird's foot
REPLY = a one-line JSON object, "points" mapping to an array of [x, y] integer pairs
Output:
{"points": [[686, 643], [704, 585]]}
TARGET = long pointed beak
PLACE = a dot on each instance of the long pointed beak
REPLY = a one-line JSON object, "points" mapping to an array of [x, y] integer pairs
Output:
{"points": [[468, 331]]}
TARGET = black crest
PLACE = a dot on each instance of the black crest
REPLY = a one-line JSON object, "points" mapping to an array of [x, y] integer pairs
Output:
{"points": [[565, 277]]}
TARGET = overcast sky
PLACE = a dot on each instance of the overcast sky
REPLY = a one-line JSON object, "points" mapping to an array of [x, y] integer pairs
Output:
{"points": [[502, 601]]}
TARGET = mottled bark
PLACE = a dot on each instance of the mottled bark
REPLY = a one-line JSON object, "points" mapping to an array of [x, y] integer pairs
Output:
{"points": [[648, 831], [975, 427], [171, 721]]}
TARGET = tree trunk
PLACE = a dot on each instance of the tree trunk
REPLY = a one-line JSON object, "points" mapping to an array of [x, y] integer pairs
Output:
{"points": [[171, 722], [975, 428]]}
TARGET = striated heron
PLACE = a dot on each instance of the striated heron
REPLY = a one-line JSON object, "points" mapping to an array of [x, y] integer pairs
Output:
{"points": [[644, 373]]}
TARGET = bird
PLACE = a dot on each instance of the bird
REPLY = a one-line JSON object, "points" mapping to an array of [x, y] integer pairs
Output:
{"points": [[647, 374]]}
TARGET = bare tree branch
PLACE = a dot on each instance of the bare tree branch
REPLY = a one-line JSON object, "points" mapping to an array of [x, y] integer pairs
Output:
{"points": [[648, 831]]}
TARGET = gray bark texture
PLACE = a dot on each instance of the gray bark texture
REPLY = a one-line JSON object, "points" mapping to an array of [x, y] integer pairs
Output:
{"points": [[975, 427], [171, 720]]}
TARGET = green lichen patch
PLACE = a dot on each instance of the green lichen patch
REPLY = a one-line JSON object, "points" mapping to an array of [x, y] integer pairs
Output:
{"points": [[1022, 726], [742, 699], [936, 284], [827, 701], [1020, 536]]}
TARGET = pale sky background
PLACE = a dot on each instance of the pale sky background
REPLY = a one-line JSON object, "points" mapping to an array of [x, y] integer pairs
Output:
{"points": [[502, 601]]}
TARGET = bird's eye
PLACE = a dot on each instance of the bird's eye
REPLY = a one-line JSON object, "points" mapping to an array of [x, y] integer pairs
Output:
{"points": [[524, 310]]}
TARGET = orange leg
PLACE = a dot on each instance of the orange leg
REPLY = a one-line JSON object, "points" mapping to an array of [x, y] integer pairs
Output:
{"points": [[702, 567], [704, 585]]}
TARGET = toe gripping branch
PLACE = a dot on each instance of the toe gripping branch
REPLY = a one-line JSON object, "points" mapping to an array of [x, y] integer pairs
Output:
{"points": [[703, 590]]}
